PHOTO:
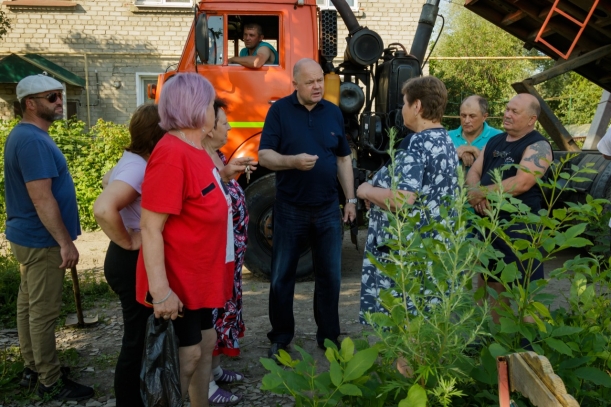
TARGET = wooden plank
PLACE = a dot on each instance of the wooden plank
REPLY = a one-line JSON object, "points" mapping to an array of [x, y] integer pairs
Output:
{"points": [[513, 17], [533, 376], [524, 380], [502, 369], [544, 370]]}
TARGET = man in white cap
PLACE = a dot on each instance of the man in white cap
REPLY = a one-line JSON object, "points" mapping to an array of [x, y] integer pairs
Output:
{"points": [[42, 223]]}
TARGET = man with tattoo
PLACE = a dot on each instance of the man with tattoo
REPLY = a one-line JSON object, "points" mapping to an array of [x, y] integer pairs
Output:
{"points": [[520, 144]]}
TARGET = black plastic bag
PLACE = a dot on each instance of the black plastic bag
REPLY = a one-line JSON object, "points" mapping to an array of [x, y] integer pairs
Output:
{"points": [[160, 372]]}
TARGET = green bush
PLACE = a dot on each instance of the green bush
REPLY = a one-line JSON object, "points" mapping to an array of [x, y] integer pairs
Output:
{"points": [[89, 156], [9, 286]]}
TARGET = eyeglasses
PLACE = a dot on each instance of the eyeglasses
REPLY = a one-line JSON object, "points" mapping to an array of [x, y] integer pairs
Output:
{"points": [[501, 154], [51, 97]]}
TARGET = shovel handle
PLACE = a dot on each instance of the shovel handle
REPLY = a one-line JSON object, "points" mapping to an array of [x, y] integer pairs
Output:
{"points": [[77, 297]]}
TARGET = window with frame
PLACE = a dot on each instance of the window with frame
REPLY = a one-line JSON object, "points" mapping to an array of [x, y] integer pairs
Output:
{"points": [[232, 41], [143, 79], [327, 4], [164, 3]]}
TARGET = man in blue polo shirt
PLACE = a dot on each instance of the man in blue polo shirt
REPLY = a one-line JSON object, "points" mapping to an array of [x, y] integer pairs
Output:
{"points": [[303, 140], [474, 132], [257, 52], [42, 223]]}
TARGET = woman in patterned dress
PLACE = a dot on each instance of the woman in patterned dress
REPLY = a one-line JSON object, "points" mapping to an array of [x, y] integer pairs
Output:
{"points": [[424, 174], [228, 321]]}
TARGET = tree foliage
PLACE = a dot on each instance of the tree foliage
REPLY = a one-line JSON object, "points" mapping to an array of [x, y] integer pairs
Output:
{"points": [[5, 24]]}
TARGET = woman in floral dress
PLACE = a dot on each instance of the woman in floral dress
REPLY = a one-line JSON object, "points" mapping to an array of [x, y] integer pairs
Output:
{"points": [[228, 321], [424, 174]]}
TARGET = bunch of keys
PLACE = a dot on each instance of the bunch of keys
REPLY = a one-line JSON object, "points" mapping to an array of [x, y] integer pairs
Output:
{"points": [[247, 171]]}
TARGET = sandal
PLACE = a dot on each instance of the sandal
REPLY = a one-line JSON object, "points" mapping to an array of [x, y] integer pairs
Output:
{"points": [[223, 398], [229, 377]]}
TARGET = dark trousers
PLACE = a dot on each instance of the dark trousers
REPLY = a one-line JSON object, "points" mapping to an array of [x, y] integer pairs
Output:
{"points": [[294, 228], [120, 272]]}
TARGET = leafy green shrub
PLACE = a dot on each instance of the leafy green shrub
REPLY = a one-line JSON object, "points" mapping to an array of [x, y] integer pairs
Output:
{"points": [[575, 338], [89, 156], [450, 346], [9, 286], [347, 379]]}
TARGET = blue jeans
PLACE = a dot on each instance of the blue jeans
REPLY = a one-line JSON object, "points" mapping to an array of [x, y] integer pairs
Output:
{"points": [[294, 228]]}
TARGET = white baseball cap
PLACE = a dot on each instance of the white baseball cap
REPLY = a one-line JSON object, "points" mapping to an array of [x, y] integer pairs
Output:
{"points": [[33, 84]]}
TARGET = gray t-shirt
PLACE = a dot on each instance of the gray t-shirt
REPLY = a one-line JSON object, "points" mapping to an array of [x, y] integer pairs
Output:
{"points": [[130, 169]]}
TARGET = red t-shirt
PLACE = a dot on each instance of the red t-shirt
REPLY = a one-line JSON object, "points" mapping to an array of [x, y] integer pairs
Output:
{"points": [[183, 182]]}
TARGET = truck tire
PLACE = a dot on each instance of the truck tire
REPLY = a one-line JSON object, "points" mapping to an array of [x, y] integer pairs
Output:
{"points": [[260, 196]]}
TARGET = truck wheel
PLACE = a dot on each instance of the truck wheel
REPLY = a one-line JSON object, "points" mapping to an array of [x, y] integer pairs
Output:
{"points": [[260, 198]]}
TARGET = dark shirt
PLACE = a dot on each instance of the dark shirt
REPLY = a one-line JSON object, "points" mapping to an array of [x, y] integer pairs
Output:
{"points": [[30, 155], [511, 153], [291, 129]]}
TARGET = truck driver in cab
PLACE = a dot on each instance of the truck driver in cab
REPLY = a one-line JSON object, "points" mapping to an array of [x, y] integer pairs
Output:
{"points": [[257, 52]]}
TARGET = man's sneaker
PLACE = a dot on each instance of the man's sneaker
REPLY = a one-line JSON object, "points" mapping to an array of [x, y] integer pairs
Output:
{"points": [[65, 389], [29, 378]]}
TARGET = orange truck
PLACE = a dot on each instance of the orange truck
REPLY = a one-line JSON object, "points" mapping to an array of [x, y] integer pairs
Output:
{"points": [[368, 93]]}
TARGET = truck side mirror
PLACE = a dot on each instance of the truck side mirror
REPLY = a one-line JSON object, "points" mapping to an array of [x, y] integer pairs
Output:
{"points": [[202, 45]]}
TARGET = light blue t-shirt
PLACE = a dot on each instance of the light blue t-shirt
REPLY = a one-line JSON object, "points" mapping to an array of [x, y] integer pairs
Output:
{"points": [[487, 133], [244, 51], [29, 155]]}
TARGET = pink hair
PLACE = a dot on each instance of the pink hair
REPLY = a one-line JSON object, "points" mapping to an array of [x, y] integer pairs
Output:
{"points": [[184, 100]]}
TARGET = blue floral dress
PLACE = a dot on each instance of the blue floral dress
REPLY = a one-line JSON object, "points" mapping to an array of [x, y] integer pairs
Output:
{"points": [[428, 168]]}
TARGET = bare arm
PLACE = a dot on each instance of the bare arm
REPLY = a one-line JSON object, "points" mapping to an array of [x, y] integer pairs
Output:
{"points": [[278, 162], [467, 154], [48, 211], [346, 180], [380, 196], [106, 178], [536, 158], [256, 61], [152, 224], [116, 196], [477, 197]]}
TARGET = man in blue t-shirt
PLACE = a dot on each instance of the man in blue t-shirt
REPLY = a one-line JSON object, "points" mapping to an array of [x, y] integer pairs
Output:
{"points": [[257, 52], [474, 132], [42, 223], [303, 140]]}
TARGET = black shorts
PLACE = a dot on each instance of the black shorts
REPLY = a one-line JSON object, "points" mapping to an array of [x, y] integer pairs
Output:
{"points": [[510, 257], [189, 327]]}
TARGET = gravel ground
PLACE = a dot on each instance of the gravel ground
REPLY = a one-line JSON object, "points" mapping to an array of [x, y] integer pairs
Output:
{"points": [[92, 351]]}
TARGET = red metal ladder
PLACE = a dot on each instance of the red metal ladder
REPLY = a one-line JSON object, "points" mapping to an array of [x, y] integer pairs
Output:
{"points": [[580, 24]]}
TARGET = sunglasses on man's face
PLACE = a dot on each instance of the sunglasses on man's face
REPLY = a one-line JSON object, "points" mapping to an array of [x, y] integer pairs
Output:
{"points": [[51, 97]]}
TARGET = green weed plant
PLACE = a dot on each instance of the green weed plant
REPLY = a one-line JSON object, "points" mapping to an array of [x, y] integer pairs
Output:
{"points": [[450, 343]]}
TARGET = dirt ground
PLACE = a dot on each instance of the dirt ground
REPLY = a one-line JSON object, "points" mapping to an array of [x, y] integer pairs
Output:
{"points": [[94, 349]]}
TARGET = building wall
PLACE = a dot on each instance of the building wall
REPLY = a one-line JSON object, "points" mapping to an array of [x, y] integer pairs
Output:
{"points": [[113, 41]]}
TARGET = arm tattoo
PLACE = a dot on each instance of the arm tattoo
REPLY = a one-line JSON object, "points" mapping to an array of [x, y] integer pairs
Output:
{"points": [[541, 156]]}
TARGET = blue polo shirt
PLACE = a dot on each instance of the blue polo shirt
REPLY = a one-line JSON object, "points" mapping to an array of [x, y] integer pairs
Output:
{"points": [[244, 51], [291, 129], [481, 140], [30, 155]]}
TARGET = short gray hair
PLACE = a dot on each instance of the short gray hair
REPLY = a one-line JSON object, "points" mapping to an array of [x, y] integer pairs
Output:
{"points": [[483, 103]]}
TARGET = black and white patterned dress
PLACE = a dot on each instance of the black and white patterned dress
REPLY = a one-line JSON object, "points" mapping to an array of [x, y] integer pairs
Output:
{"points": [[428, 168]]}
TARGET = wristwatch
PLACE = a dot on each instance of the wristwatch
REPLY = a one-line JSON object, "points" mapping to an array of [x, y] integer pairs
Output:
{"points": [[352, 201]]}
